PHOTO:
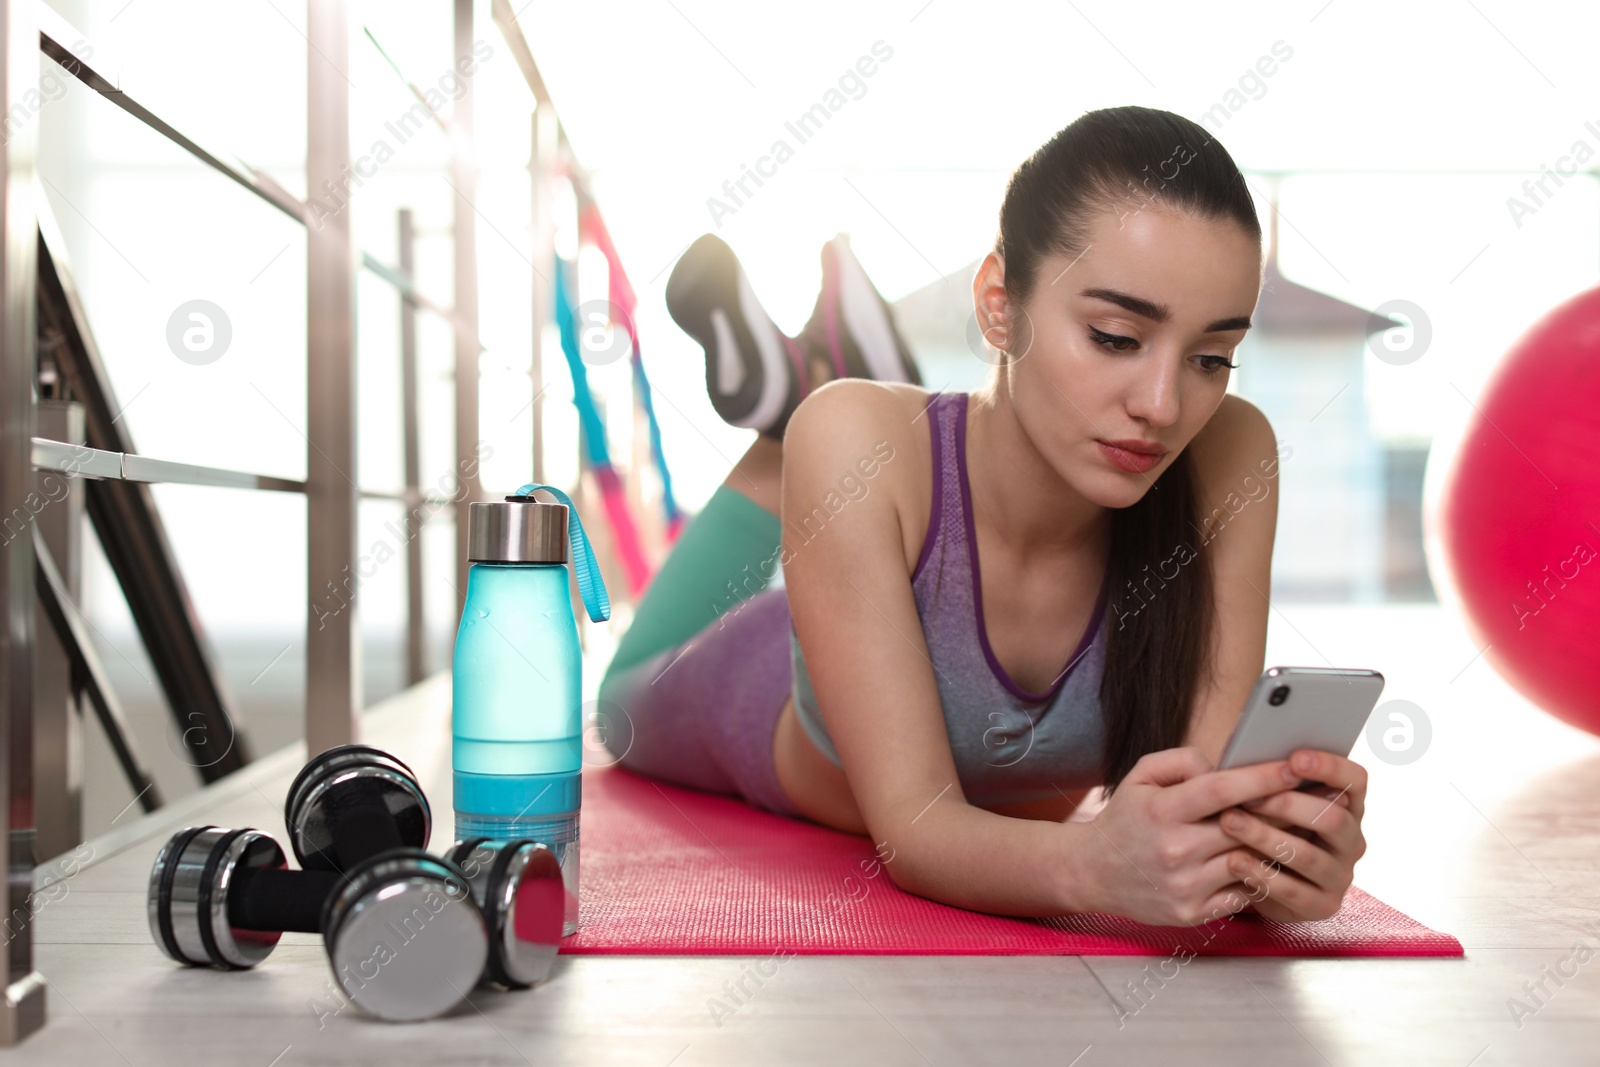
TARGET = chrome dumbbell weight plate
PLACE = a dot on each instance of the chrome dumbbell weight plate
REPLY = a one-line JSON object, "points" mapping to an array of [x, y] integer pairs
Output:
{"points": [[187, 898], [404, 937], [518, 887], [354, 791]]}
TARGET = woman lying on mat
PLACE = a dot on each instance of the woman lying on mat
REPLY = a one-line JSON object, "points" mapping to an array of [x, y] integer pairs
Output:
{"points": [[958, 714]]}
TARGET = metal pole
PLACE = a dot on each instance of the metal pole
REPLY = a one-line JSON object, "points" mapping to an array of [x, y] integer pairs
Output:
{"points": [[57, 717], [416, 665], [333, 637], [73, 637], [22, 1010], [463, 168]]}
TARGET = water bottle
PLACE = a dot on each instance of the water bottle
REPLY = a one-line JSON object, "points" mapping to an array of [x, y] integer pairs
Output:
{"points": [[517, 744]]}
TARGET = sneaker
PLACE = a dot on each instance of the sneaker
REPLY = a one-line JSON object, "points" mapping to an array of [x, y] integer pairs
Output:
{"points": [[853, 325], [756, 376]]}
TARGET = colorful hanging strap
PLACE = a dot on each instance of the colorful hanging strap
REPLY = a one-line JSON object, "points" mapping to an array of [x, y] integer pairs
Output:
{"points": [[625, 535], [594, 430], [669, 503], [592, 227], [590, 584]]}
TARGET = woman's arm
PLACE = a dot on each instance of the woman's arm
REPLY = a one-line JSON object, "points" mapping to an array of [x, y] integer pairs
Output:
{"points": [[1232, 455], [1236, 458]]}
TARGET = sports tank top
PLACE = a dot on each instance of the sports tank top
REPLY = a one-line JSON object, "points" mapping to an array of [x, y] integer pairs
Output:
{"points": [[1010, 745]]}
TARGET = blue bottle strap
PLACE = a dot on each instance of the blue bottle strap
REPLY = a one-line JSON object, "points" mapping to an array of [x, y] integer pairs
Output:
{"points": [[590, 584]]}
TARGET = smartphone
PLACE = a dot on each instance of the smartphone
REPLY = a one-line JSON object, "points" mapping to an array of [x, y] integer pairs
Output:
{"points": [[1292, 708]]}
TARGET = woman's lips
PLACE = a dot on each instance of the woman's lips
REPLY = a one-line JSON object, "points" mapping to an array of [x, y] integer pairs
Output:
{"points": [[1132, 462]]}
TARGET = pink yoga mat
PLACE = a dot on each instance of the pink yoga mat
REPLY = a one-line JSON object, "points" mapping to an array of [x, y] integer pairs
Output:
{"points": [[668, 870]]}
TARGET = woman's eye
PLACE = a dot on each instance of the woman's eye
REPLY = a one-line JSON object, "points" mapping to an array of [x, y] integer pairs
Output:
{"points": [[1111, 340], [1209, 364]]}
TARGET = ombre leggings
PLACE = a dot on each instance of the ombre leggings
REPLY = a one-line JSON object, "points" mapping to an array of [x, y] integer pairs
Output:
{"points": [[699, 679]]}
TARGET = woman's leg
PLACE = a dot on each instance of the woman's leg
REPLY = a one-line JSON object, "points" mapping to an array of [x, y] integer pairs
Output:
{"points": [[698, 682], [694, 691], [726, 554], [703, 714]]}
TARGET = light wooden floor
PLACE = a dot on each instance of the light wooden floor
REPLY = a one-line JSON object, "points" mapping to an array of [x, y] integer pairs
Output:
{"points": [[1491, 836]]}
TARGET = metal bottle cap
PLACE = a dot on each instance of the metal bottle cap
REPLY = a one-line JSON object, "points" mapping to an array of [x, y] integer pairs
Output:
{"points": [[516, 530]]}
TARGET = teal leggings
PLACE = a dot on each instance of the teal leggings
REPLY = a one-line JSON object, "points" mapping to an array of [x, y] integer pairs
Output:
{"points": [[698, 681]]}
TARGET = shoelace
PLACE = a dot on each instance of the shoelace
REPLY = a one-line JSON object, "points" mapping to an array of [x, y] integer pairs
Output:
{"points": [[590, 584]]}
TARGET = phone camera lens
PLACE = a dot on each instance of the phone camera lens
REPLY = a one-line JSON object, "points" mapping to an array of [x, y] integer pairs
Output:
{"points": [[1279, 695]]}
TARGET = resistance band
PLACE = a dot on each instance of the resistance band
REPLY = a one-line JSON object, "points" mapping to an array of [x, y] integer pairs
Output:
{"points": [[592, 228], [625, 536]]}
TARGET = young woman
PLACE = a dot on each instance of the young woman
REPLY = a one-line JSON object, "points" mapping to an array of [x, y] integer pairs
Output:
{"points": [[960, 714]]}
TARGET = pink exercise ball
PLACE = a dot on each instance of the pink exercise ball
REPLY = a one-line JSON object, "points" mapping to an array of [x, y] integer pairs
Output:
{"points": [[1517, 525]]}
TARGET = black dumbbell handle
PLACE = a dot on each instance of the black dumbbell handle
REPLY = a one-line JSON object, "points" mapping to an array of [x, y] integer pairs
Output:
{"points": [[278, 899]]}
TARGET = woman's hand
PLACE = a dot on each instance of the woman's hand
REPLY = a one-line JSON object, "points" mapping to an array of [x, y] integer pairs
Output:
{"points": [[1163, 858], [1306, 844]]}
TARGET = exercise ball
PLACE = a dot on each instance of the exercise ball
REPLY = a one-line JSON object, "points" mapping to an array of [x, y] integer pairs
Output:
{"points": [[1515, 524]]}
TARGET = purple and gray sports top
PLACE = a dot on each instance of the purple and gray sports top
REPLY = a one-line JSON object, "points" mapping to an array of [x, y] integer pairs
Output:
{"points": [[1010, 745]]}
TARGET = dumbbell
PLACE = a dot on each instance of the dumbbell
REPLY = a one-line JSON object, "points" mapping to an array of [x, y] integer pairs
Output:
{"points": [[352, 802], [404, 937], [222, 897], [518, 887], [354, 797], [347, 804]]}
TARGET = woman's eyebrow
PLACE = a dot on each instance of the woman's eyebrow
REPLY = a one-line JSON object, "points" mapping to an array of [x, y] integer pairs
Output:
{"points": [[1149, 309]]}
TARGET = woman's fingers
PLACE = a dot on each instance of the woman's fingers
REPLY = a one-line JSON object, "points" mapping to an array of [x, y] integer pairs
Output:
{"points": [[1337, 774], [1336, 826], [1290, 857], [1228, 897], [1284, 897], [1282, 893], [1278, 893], [1321, 867], [1261, 810], [1207, 794], [1328, 796], [1305, 857]]}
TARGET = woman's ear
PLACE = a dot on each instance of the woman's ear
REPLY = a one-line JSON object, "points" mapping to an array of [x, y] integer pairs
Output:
{"points": [[989, 300]]}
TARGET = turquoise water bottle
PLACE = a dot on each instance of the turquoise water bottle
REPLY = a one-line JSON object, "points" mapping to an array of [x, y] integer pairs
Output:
{"points": [[517, 722]]}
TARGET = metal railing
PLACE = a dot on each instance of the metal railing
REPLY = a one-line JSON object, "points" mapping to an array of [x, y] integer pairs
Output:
{"points": [[332, 686], [44, 328], [35, 279], [22, 1009]]}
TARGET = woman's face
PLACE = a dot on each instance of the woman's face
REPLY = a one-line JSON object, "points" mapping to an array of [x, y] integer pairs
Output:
{"points": [[1128, 342]]}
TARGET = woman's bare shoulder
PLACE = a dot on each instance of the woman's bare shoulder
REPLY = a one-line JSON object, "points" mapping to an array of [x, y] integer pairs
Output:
{"points": [[864, 401], [864, 436]]}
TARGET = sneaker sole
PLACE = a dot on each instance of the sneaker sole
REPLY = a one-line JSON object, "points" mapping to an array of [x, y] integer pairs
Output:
{"points": [[749, 375]]}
